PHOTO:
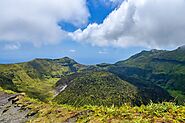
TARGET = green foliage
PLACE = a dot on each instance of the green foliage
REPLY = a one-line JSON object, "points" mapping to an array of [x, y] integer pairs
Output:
{"points": [[105, 97], [6, 82], [51, 112], [6, 91], [146, 76], [97, 88], [163, 68], [164, 112], [37, 77]]}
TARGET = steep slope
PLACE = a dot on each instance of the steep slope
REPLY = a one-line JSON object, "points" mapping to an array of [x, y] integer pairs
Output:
{"points": [[163, 68], [104, 88], [158, 61], [42, 68], [37, 77], [96, 88], [153, 73]]}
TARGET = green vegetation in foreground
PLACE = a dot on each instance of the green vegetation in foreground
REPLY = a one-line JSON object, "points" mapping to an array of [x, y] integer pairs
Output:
{"points": [[150, 74], [51, 112], [7, 91]]}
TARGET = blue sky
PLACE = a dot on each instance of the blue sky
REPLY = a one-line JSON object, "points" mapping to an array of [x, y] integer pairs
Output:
{"points": [[83, 53], [107, 30]]}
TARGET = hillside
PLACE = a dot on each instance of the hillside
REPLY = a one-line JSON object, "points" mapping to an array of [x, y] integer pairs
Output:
{"points": [[96, 88], [104, 88], [152, 75], [62, 90], [37, 77], [163, 68], [144, 71], [20, 108]]}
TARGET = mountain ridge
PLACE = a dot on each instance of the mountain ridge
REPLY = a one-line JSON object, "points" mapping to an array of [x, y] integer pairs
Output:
{"points": [[144, 70]]}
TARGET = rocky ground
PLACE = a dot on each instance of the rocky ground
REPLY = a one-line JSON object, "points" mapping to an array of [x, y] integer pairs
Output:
{"points": [[10, 111]]}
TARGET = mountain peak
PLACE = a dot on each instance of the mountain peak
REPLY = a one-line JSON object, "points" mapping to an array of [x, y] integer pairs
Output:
{"points": [[181, 47], [65, 60], [153, 50], [41, 59]]}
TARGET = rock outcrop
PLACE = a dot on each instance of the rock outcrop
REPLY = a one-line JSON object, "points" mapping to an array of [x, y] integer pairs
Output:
{"points": [[10, 111]]}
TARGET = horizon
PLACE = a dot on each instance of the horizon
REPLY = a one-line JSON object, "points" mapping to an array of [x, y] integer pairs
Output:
{"points": [[81, 62], [103, 31], [92, 61]]}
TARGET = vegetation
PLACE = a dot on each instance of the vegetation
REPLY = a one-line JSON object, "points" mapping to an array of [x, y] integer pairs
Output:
{"points": [[36, 78], [51, 112], [104, 88], [163, 68], [120, 92], [97, 88]]}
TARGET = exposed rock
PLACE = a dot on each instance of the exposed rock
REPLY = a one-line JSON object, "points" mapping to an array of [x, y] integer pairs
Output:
{"points": [[10, 111]]}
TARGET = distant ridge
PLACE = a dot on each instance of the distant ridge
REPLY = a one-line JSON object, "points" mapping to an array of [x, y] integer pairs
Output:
{"points": [[156, 75]]}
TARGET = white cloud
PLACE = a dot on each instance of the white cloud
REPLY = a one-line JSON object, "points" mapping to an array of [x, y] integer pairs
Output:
{"points": [[102, 52], [36, 20], [72, 50], [109, 3], [117, 2], [146, 23], [12, 46]]}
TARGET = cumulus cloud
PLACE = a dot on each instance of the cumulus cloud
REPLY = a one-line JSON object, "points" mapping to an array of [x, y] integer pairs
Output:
{"points": [[146, 23], [36, 20]]}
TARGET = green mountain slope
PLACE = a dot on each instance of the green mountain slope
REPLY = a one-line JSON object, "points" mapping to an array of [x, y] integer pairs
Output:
{"points": [[96, 88], [104, 88], [163, 68], [37, 77], [150, 76], [152, 73]]}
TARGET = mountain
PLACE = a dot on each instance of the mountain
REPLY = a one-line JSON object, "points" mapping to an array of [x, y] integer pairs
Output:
{"points": [[104, 88], [156, 75], [51, 67], [95, 88], [160, 67], [62, 90], [37, 77]]}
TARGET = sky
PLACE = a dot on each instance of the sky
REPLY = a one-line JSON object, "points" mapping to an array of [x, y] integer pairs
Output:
{"points": [[89, 31]]}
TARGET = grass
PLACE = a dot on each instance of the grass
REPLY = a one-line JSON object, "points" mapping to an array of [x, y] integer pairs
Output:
{"points": [[37, 88], [179, 96], [97, 88], [18, 78], [52, 112], [7, 91], [163, 68], [37, 78]]}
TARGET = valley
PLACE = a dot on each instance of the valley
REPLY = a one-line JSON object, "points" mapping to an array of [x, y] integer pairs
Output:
{"points": [[148, 84]]}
